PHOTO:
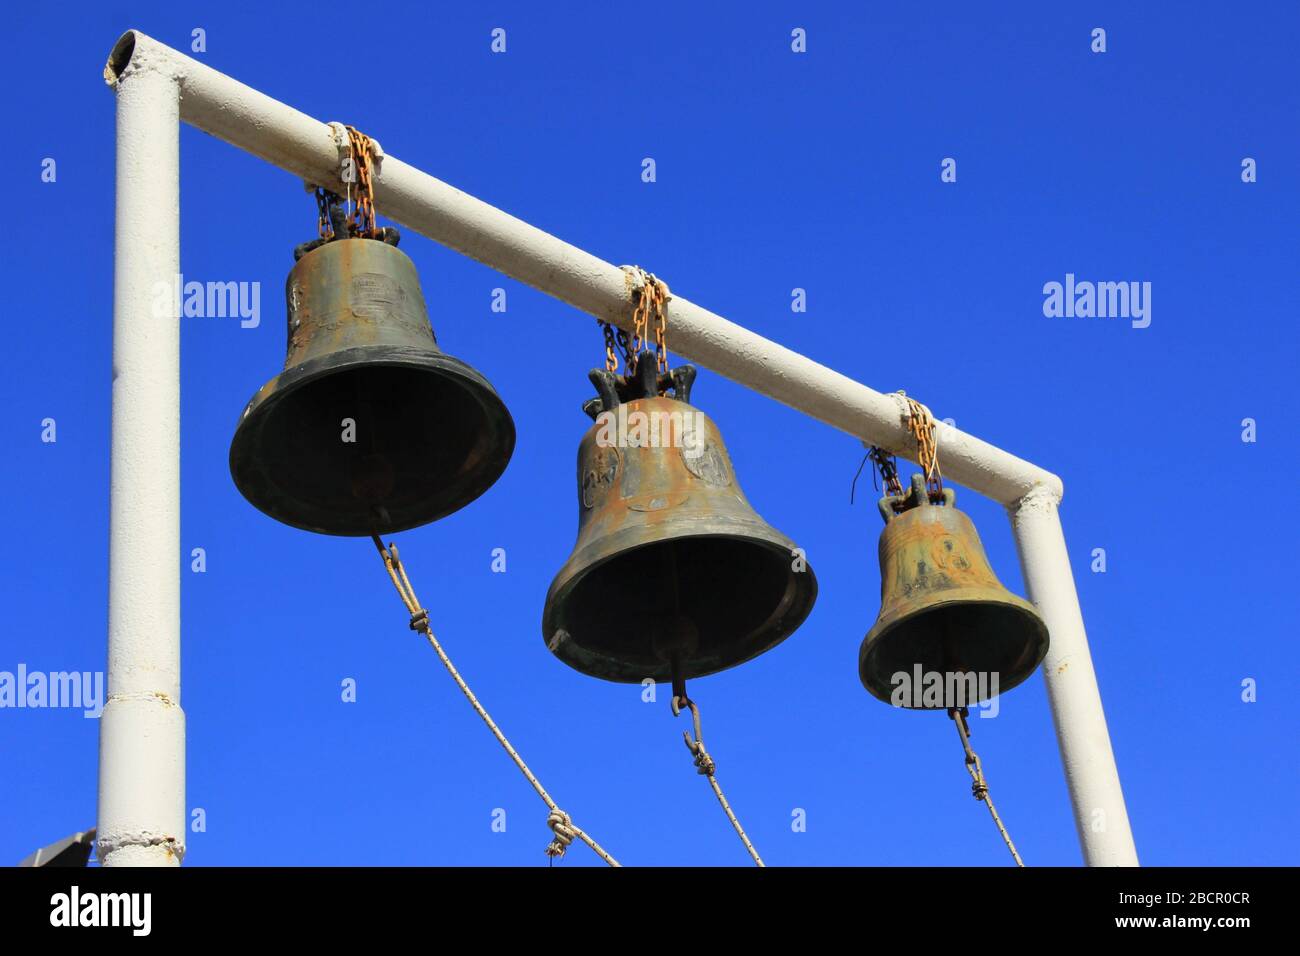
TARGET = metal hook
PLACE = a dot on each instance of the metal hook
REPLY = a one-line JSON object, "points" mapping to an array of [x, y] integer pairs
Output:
{"points": [[696, 745]]}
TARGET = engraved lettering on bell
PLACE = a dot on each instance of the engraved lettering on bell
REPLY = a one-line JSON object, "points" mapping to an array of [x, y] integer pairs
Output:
{"points": [[950, 555], [375, 293], [706, 463], [596, 481]]}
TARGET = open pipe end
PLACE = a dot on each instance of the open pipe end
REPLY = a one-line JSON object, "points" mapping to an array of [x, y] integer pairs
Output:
{"points": [[120, 57]]}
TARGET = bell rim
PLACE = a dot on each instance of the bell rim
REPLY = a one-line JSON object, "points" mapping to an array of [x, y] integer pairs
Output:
{"points": [[552, 595], [273, 392], [969, 596]]}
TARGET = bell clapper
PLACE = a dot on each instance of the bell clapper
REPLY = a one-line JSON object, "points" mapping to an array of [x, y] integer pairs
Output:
{"points": [[679, 683], [979, 785], [379, 524]]}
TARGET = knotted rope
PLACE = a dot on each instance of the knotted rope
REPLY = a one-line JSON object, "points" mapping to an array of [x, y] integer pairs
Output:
{"points": [[560, 823], [705, 765], [979, 787]]}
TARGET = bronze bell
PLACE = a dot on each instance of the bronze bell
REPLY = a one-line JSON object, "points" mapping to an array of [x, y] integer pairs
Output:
{"points": [[427, 434], [673, 575], [943, 610]]}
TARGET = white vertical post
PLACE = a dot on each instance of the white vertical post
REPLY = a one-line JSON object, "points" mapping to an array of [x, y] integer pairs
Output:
{"points": [[142, 729], [1089, 762]]}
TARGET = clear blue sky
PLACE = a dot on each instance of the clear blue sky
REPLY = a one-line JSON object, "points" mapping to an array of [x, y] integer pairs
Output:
{"points": [[775, 171]]}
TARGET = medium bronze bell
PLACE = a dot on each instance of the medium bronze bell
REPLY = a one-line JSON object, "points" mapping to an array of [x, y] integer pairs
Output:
{"points": [[370, 428], [943, 611], [673, 575]]}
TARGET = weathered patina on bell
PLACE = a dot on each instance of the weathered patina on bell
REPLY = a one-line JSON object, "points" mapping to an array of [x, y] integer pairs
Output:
{"points": [[371, 427], [673, 574], [944, 615]]}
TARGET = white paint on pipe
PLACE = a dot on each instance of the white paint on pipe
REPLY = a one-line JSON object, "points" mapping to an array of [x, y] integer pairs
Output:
{"points": [[142, 728], [1090, 772], [307, 148]]}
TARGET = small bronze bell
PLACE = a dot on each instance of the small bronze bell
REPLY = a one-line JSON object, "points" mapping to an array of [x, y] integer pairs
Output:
{"points": [[370, 428], [673, 575], [943, 611]]}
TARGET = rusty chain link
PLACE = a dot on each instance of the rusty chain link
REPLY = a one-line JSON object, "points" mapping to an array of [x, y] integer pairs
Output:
{"points": [[361, 217], [887, 465], [884, 475], [921, 425], [612, 336], [649, 303], [661, 327], [324, 227], [650, 300]]}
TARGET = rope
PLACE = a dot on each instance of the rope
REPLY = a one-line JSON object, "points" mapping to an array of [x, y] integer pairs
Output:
{"points": [[561, 824], [705, 765], [979, 786]]}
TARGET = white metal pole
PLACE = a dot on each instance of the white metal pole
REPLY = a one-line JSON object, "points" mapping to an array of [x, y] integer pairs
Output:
{"points": [[1090, 772], [142, 728], [308, 148]]}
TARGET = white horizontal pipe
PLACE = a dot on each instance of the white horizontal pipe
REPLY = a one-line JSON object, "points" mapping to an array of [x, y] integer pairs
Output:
{"points": [[304, 146], [307, 148], [1090, 772], [142, 728]]}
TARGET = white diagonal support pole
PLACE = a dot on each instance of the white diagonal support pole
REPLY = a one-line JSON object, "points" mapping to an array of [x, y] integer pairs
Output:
{"points": [[308, 149], [142, 728]]}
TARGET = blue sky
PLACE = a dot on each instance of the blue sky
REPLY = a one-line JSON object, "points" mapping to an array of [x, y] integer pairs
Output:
{"points": [[775, 170]]}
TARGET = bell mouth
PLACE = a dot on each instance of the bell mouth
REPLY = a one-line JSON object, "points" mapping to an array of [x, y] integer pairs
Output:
{"points": [[731, 597], [429, 435], [978, 648]]}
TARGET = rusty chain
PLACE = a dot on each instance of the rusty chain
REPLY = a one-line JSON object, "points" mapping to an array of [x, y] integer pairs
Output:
{"points": [[324, 227], [921, 425], [612, 337], [979, 786], [562, 827], [884, 475], [361, 217], [661, 327], [649, 300], [887, 465]]}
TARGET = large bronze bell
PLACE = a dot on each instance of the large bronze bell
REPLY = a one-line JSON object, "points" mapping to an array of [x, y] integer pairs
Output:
{"points": [[943, 611], [370, 428], [673, 575]]}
